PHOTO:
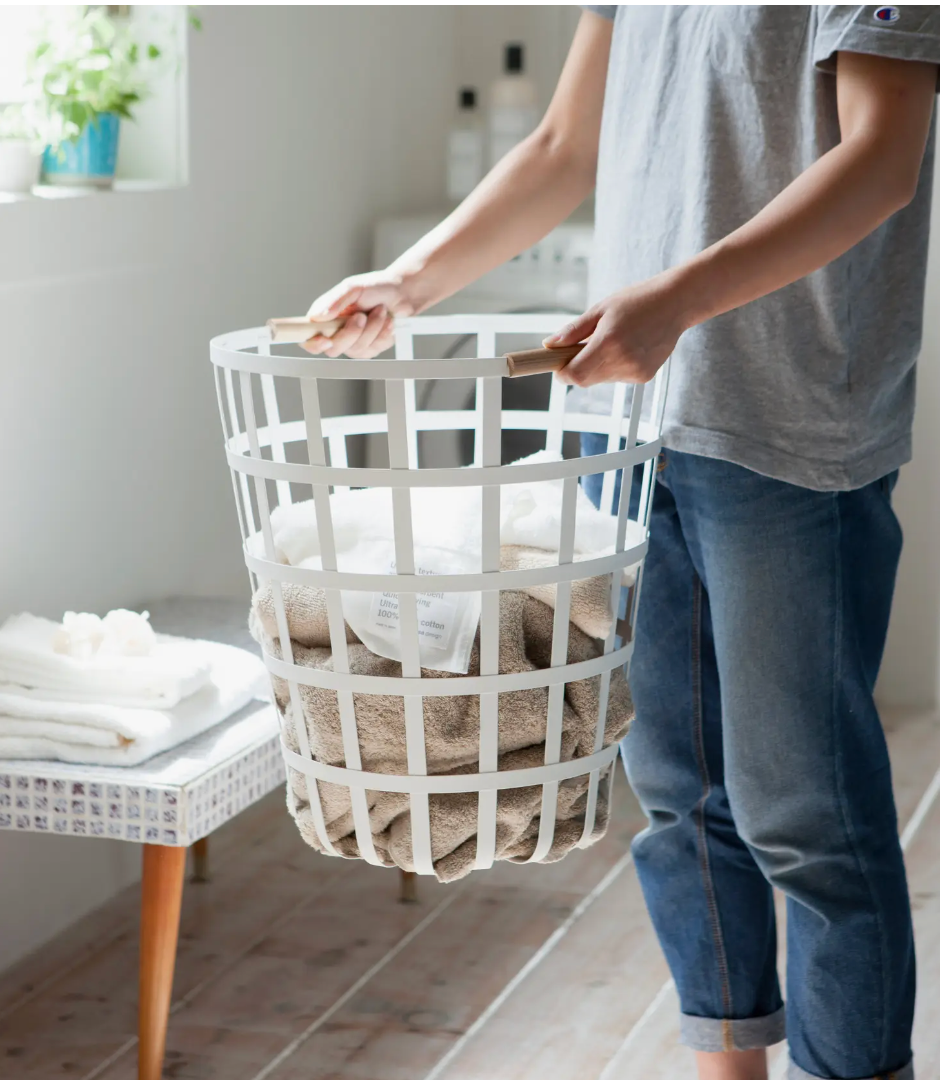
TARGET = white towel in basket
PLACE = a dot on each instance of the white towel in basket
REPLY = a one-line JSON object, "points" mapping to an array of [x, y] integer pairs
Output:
{"points": [[444, 518], [34, 727], [446, 524], [174, 669]]}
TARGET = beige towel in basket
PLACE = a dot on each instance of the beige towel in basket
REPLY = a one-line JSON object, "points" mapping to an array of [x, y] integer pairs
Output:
{"points": [[452, 727]]}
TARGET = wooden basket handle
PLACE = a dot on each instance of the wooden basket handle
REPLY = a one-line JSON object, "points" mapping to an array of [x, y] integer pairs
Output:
{"points": [[536, 361], [298, 328]]}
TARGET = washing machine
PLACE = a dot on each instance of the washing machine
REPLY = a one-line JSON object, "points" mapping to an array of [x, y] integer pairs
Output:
{"points": [[550, 276]]}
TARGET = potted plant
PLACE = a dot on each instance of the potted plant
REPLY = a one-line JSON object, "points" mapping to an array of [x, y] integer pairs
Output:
{"points": [[89, 72], [20, 147]]}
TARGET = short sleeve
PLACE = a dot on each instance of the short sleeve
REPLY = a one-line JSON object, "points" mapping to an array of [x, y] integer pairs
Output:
{"points": [[606, 11], [909, 32]]}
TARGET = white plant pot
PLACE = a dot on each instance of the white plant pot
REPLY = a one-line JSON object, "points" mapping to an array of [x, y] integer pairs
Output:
{"points": [[19, 165]]}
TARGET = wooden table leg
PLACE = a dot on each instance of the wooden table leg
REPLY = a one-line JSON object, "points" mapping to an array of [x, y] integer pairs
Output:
{"points": [[161, 897], [200, 850], [407, 887]]}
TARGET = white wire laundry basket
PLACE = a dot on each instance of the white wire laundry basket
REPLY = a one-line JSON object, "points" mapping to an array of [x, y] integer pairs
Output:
{"points": [[275, 462]]}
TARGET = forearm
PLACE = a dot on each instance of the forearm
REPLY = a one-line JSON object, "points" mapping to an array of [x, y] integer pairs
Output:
{"points": [[885, 107], [828, 209], [533, 188]]}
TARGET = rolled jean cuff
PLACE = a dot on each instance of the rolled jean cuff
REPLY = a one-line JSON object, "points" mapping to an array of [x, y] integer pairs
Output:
{"points": [[907, 1073], [713, 1036]]}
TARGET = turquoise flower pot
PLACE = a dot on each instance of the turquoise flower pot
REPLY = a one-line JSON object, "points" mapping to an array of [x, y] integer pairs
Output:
{"points": [[89, 160]]}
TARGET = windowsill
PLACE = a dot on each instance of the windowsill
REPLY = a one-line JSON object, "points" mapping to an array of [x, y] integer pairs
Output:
{"points": [[52, 192]]}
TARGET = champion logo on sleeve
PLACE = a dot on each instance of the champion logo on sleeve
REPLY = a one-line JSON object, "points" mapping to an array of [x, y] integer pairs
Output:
{"points": [[887, 14]]}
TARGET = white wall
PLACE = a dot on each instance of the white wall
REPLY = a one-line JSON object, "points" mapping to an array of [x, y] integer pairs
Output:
{"points": [[306, 124], [483, 31], [910, 675]]}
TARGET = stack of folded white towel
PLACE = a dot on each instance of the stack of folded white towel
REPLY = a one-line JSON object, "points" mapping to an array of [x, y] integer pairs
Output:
{"points": [[110, 691]]}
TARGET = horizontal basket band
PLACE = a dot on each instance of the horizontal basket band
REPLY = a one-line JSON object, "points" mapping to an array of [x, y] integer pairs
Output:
{"points": [[440, 420], [471, 476], [457, 686], [449, 784], [486, 581]]}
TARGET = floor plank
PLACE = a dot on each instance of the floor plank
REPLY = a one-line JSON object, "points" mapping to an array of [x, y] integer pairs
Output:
{"points": [[573, 1012], [436, 987], [256, 827]]}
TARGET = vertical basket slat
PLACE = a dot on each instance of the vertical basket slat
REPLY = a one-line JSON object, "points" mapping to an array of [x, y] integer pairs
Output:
{"points": [[486, 346], [310, 398], [399, 443], [489, 435], [623, 509], [338, 457], [555, 429], [626, 483], [261, 494], [404, 350], [228, 435], [242, 478], [556, 692], [613, 443], [273, 417]]}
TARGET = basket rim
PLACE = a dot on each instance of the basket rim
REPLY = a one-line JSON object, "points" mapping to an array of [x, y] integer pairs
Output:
{"points": [[227, 350]]}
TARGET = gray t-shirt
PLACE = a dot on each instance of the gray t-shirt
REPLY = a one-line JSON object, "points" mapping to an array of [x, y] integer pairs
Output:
{"points": [[709, 113]]}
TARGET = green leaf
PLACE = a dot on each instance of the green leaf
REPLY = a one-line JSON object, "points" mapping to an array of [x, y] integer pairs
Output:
{"points": [[91, 65], [194, 21]]}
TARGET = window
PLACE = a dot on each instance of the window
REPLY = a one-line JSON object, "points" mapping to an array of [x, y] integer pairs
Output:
{"points": [[152, 148], [18, 26]]}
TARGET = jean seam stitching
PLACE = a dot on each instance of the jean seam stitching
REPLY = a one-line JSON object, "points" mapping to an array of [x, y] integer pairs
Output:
{"points": [[699, 814], [837, 653]]}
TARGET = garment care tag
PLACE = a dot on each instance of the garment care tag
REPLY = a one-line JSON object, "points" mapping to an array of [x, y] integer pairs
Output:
{"points": [[447, 621], [437, 613]]}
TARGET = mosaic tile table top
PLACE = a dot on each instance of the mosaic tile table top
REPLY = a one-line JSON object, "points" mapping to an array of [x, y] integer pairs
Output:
{"points": [[174, 798]]}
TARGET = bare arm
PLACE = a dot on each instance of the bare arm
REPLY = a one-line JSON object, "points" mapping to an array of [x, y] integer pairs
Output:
{"points": [[526, 194], [534, 187], [885, 107]]}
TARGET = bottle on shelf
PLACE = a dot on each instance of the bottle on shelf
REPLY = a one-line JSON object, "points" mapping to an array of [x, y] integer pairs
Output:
{"points": [[465, 158], [513, 104]]}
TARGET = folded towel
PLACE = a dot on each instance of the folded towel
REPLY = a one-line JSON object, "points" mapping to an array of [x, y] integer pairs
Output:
{"points": [[34, 727], [173, 670], [119, 633]]}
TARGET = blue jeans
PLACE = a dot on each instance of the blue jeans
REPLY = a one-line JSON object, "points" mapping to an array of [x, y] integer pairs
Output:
{"points": [[759, 759]]}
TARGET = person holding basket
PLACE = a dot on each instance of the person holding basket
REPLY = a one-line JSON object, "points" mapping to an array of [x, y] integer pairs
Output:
{"points": [[763, 180]]}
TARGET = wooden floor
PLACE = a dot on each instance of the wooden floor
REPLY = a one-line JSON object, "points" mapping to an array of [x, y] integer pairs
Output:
{"points": [[293, 966]]}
